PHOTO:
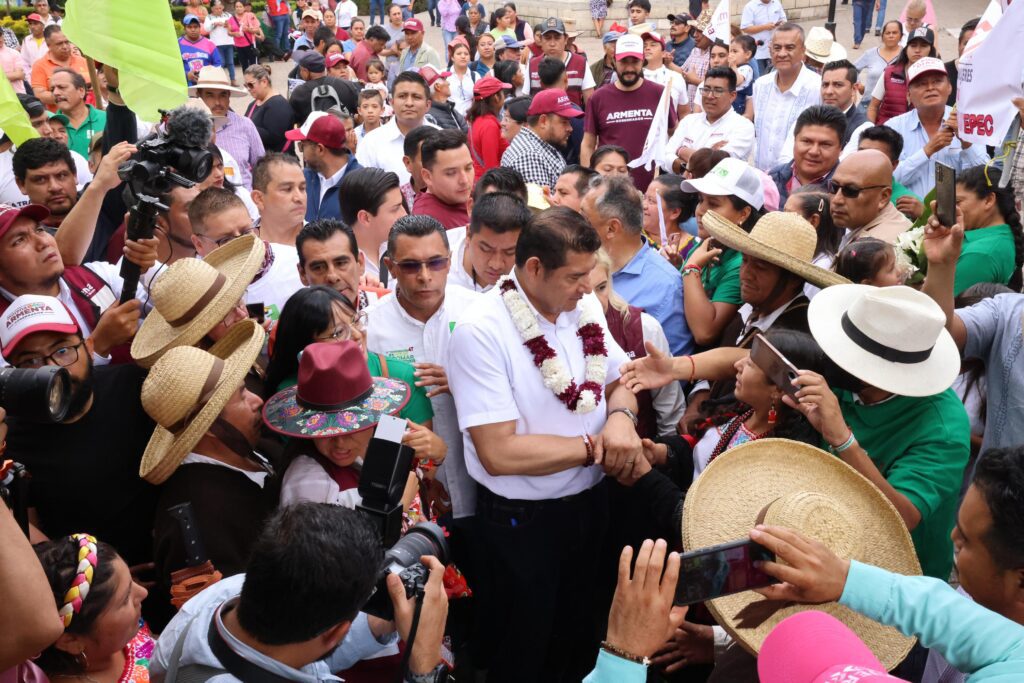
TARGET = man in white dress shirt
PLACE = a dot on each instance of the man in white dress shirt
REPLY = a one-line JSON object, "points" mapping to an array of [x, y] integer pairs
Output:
{"points": [[537, 456], [415, 325], [718, 126], [384, 147], [485, 249], [781, 95]]}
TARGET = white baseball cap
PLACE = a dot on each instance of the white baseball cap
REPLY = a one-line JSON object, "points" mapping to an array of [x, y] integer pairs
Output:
{"points": [[730, 177], [31, 313], [629, 45], [925, 65]]}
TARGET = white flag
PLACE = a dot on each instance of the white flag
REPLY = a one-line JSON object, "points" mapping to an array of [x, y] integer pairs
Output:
{"points": [[990, 77], [657, 134], [719, 27]]}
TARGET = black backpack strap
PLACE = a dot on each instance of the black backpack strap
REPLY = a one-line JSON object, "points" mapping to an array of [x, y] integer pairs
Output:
{"points": [[190, 673], [235, 664]]}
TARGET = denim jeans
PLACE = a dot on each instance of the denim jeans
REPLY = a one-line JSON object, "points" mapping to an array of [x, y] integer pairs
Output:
{"points": [[881, 16], [448, 36], [377, 7], [227, 58], [435, 16], [281, 24], [861, 19], [407, 13]]}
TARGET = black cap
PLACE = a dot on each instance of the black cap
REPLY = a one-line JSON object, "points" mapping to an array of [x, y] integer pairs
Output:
{"points": [[552, 25], [31, 104], [922, 33], [680, 18]]}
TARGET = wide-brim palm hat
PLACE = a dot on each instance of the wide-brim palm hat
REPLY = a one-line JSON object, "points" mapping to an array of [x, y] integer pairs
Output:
{"points": [[893, 338], [335, 395], [193, 295], [795, 485], [782, 238], [187, 389], [214, 78]]}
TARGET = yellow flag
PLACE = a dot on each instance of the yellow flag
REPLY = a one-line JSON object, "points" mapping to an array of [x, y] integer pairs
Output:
{"points": [[13, 119], [137, 38]]}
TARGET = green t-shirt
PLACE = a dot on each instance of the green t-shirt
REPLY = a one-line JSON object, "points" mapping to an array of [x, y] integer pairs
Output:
{"points": [[94, 123], [722, 281], [921, 446], [418, 409], [899, 190], [988, 255]]}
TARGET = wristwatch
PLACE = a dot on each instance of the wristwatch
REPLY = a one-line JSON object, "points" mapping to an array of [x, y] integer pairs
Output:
{"points": [[628, 413], [440, 674]]}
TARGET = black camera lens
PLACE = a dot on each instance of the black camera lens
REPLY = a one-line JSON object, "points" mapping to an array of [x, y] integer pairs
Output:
{"points": [[426, 538], [194, 164], [36, 395]]}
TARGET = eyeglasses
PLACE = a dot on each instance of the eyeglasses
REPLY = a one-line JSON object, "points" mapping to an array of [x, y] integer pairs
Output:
{"points": [[224, 240], [414, 267], [850, 191], [714, 92], [344, 332], [64, 356]]}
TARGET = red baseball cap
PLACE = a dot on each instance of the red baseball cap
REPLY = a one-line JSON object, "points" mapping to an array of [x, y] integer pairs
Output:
{"points": [[430, 74], [322, 128], [335, 59], [9, 214], [489, 85], [553, 101], [413, 24], [34, 17]]}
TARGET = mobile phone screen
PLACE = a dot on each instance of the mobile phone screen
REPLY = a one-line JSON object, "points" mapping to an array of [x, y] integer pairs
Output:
{"points": [[945, 194], [721, 570], [256, 311]]}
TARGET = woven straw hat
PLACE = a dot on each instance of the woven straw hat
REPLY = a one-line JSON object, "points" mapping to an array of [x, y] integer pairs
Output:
{"points": [[186, 390], [192, 296], [780, 237], [795, 485], [214, 78]]}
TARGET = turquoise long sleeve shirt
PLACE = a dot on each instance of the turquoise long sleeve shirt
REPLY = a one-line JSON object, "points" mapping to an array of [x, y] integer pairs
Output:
{"points": [[989, 648]]}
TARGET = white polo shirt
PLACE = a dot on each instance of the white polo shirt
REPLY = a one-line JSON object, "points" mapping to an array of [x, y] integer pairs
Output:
{"points": [[696, 132], [384, 148], [457, 274], [493, 379], [394, 333]]}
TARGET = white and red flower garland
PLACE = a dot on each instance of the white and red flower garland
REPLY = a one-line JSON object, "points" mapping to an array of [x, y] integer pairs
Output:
{"points": [[582, 398]]}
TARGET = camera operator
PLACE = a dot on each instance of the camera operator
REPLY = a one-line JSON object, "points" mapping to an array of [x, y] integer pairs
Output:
{"points": [[294, 615], [30, 264], [84, 469]]}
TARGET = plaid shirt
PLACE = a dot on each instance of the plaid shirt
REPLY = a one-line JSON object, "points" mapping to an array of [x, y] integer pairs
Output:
{"points": [[537, 161]]}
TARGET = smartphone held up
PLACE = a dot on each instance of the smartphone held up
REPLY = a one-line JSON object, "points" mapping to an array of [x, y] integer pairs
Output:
{"points": [[724, 569]]}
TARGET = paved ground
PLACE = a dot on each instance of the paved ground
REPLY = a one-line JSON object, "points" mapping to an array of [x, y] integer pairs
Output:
{"points": [[951, 15]]}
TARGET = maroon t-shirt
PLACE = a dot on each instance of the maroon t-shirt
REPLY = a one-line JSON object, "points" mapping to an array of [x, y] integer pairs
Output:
{"points": [[449, 215], [623, 118]]}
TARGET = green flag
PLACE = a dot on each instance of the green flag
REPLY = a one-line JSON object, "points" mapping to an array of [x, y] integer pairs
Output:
{"points": [[13, 119], [137, 38]]}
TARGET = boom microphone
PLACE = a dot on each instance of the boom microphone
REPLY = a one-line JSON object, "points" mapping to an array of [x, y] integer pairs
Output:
{"points": [[189, 127]]}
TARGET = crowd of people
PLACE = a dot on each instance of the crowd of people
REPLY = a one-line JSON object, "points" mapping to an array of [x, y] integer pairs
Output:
{"points": [[600, 309]]}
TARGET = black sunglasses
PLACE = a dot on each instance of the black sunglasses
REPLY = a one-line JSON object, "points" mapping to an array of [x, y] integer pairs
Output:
{"points": [[850, 191]]}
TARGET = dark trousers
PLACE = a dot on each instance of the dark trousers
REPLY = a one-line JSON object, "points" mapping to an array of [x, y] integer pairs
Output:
{"points": [[536, 586], [247, 56]]}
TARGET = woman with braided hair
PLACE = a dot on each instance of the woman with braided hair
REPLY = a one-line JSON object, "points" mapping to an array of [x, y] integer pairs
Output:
{"points": [[993, 249], [104, 639]]}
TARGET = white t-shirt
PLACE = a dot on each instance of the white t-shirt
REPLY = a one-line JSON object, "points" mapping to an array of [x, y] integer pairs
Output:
{"points": [[345, 12], [394, 333], [664, 75], [9, 192], [233, 174], [278, 284], [217, 27], [306, 480], [462, 91], [493, 379]]}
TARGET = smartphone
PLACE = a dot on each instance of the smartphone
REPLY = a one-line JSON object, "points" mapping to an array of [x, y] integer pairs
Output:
{"points": [[720, 570], [945, 194], [777, 367], [256, 311]]}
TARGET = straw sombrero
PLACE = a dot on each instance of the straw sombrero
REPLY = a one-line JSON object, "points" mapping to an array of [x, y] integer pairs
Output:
{"points": [[335, 395], [186, 390], [214, 78], [791, 484], [780, 237], [192, 296]]}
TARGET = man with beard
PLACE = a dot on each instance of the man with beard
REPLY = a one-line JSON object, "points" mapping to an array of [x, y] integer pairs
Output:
{"points": [[321, 139], [45, 173], [31, 264], [621, 113], [84, 468]]}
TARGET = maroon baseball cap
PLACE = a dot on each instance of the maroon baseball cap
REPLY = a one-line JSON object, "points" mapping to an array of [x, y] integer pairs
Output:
{"points": [[430, 74], [553, 101], [413, 24], [489, 85], [335, 60], [322, 128], [9, 214]]}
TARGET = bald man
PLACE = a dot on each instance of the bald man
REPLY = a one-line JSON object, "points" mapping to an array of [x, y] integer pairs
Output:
{"points": [[867, 174]]}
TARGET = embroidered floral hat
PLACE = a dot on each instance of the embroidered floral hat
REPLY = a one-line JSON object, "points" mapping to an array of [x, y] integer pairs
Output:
{"points": [[335, 395]]}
